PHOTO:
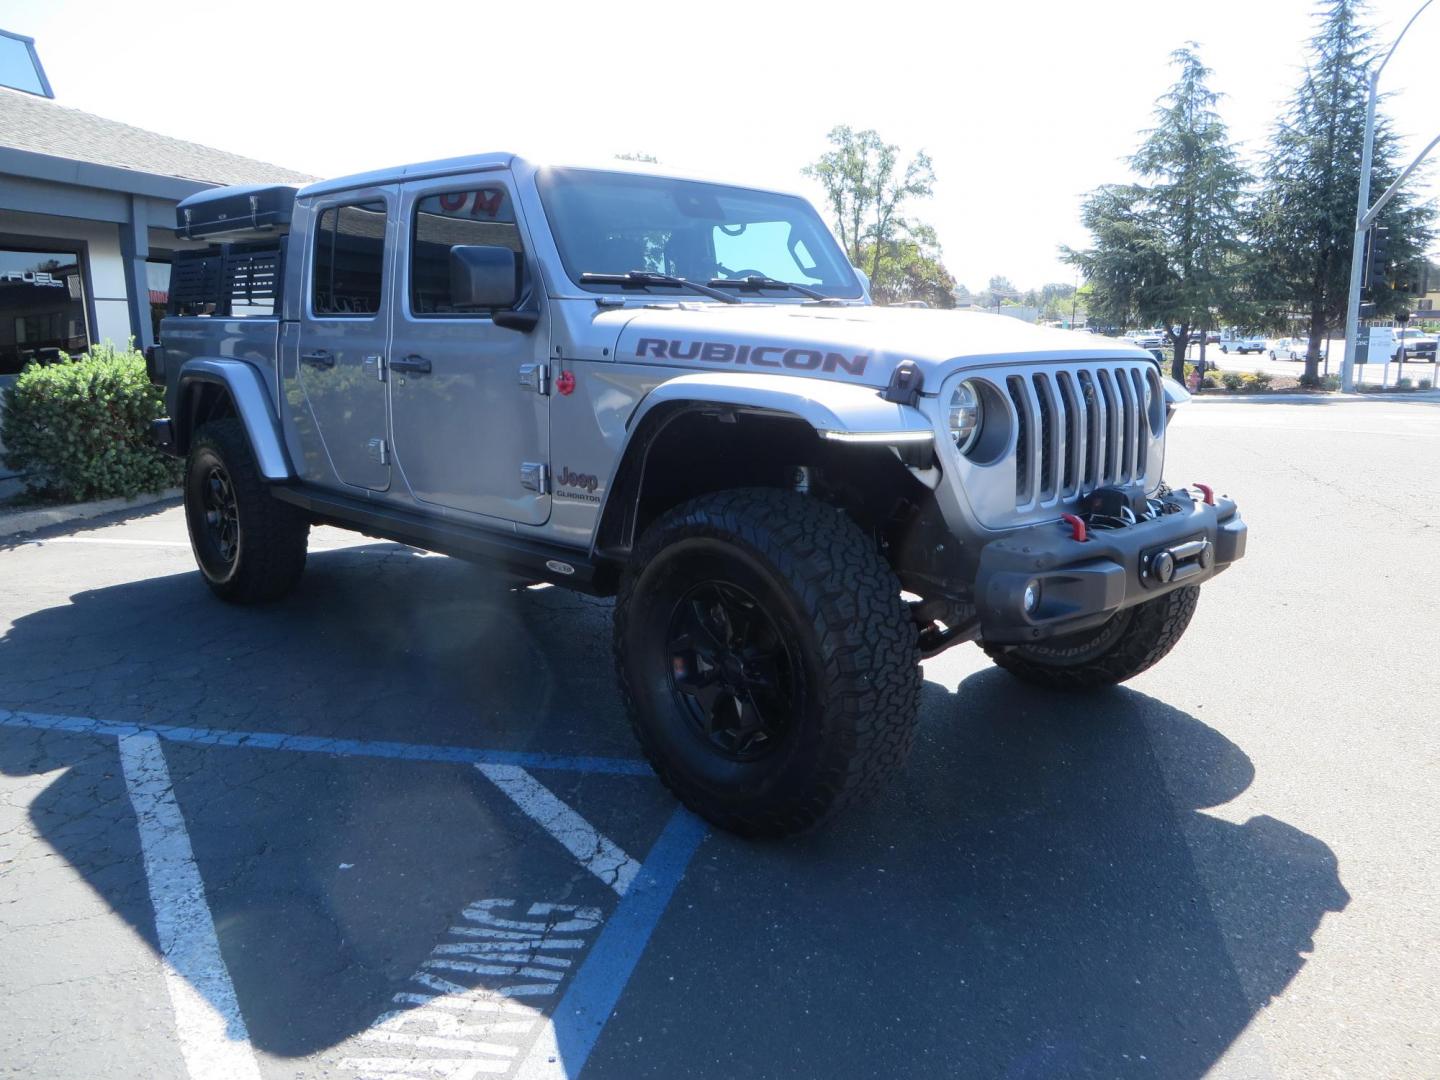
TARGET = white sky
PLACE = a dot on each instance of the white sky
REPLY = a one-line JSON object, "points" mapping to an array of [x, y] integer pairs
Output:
{"points": [[1024, 106]]}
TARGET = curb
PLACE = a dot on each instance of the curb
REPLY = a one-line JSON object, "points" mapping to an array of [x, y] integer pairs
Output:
{"points": [[30, 520], [1304, 398]]}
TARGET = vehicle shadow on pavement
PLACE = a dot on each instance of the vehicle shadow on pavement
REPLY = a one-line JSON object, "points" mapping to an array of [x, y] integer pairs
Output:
{"points": [[1038, 895]]}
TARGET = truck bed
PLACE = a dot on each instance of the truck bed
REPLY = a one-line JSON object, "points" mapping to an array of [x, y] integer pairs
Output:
{"points": [[255, 340]]}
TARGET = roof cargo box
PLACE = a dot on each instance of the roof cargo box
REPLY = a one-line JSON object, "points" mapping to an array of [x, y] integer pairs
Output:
{"points": [[241, 212]]}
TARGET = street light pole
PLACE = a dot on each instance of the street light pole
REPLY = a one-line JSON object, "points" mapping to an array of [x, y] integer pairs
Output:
{"points": [[1365, 214]]}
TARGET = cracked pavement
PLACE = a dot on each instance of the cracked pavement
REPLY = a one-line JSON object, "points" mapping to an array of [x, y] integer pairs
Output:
{"points": [[1225, 869]]}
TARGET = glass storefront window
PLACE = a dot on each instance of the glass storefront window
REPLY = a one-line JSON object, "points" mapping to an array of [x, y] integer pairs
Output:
{"points": [[42, 308], [157, 280]]}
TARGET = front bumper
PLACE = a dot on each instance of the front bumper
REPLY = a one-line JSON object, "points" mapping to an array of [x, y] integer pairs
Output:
{"points": [[1082, 583]]}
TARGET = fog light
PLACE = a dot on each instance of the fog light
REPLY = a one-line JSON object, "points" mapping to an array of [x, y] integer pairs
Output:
{"points": [[1162, 566], [1031, 600]]}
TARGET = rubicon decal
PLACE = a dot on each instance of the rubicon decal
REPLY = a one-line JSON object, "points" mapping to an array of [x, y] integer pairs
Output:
{"points": [[764, 356]]}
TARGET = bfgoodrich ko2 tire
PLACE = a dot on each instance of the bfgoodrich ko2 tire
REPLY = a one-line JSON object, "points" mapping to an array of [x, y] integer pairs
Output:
{"points": [[769, 665], [249, 546], [1131, 641]]}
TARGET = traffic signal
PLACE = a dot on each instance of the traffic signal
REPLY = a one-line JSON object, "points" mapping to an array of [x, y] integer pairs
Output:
{"points": [[1377, 257], [1406, 280]]}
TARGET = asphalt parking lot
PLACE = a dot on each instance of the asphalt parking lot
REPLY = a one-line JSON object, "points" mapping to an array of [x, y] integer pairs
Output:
{"points": [[395, 826]]}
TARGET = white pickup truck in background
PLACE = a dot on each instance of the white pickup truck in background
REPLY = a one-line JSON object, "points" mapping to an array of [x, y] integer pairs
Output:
{"points": [[1242, 343]]}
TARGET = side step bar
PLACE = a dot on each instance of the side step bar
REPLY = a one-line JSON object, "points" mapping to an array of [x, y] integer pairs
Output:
{"points": [[526, 558]]}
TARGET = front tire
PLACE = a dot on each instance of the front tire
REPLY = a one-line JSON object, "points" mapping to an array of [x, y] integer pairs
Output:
{"points": [[1132, 640], [769, 666], [249, 546]]}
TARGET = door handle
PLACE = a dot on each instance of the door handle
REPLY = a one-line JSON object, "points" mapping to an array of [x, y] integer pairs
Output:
{"points": [[318, 358], [416, 365]]}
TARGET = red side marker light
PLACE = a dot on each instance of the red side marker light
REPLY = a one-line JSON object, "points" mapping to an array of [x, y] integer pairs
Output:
{"points": [[1208, 492], [565, 383], [1077, 527]]}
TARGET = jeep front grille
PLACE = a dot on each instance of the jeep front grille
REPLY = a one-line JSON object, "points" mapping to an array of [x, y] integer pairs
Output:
{"points": [[1078, 430]]}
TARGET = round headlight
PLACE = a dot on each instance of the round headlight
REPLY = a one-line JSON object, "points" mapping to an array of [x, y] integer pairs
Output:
{"points": [[966, 415]]}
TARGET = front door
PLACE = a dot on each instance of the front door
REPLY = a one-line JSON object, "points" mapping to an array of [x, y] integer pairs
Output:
{"points": [[344, 332], [471, 431]]}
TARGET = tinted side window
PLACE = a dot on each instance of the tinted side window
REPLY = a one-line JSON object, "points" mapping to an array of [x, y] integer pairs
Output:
{"points": [[474, 216], [349, 260]]}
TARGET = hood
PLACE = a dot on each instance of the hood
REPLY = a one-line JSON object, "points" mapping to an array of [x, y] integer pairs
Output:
{"points": [[859, 344]]}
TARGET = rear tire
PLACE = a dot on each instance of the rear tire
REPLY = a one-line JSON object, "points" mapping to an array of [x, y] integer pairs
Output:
{"points": [[249, 546], [1132, 640], [770, 668]]}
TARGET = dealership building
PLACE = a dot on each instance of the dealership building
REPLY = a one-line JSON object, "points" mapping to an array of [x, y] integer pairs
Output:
{"points": [[87, 217]]}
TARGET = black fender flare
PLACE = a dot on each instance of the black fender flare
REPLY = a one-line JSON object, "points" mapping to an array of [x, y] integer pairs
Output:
{"points": [[247, 391]]}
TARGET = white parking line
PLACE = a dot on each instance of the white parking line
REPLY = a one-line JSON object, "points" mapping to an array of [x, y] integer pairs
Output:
{"points": [[464, 1030], [595, 852], [364, 546], [213, 1038]]}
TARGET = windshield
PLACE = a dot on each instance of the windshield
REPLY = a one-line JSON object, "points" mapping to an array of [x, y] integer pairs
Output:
{"points": [[612, 223]]}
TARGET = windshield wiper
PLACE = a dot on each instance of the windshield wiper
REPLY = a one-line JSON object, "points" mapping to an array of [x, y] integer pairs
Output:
{"points": [[755, 282], [640, 279]]}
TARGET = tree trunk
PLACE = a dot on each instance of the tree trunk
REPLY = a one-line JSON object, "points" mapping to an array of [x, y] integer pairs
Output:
{"points": [[1177, 351], [1312, 348]]}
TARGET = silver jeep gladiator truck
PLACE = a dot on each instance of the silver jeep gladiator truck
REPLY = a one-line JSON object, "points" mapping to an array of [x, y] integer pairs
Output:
{"points": [[678, 393]]}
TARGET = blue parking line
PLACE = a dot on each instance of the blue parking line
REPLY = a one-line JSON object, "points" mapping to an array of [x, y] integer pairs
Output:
{"points": [[587, 1005], [582, 1013], [313, 744]]}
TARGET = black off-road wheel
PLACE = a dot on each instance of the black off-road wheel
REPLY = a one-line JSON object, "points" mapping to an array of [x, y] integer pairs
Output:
{"points": [[768, 663], [1132, 640], [250, 547]]}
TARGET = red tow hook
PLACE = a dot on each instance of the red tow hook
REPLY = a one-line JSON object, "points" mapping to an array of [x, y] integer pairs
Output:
{"points": [[1077, 527], [1208, 492]]}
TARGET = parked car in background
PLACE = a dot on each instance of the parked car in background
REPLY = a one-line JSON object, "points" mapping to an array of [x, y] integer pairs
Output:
{"points": [[1288, 348], [1242, 343], [1418, 346], [1147, 339]]}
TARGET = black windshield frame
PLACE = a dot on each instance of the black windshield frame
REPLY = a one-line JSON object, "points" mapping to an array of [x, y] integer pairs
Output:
{"points": [[562, 190]]}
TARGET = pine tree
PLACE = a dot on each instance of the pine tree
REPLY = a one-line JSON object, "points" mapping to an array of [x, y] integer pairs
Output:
{"points": [[1304, 219], [1165, 249]]}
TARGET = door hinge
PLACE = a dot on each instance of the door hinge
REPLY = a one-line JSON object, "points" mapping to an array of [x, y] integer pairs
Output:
{"points": [[535, 377], [535, 476], [379, 452], [377, 365]]}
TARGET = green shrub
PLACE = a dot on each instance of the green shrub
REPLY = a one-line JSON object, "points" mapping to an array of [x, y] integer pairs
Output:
{"points": [[1261, 380], [1210, 382], [80, 428], [1404, 384], [1426, 384], [1232, 380], [1330, 382]]}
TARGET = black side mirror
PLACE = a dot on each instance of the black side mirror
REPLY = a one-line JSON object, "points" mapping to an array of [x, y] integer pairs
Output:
{"points": [[484, 277], [489, 278]]}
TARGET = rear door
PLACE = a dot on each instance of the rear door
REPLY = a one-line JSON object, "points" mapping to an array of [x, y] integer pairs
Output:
{"points": [[468, 405], [344, 334]]}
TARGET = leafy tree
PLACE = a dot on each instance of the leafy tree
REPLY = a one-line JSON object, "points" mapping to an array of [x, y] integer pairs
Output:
{"points": [[910, 268], [1165, 249], [867, 190], [1304, 219], [998, 293]]}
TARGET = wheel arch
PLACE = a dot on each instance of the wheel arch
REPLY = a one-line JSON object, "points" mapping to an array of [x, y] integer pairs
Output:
{"points": [[209, 389], [699, 434]]}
